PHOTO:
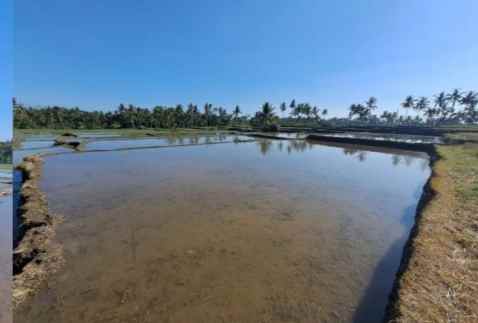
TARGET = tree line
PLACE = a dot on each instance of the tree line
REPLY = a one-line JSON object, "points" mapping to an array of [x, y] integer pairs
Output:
{"points": [[456, 107], [129, 116], [5, 153], [445, 108]]}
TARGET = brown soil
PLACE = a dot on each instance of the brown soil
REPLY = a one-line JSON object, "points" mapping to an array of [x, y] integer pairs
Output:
{"points": [[437, 281], [37, 254], [66, 141]]}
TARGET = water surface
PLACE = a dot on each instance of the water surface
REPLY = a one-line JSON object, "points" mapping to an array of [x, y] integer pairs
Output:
{"points": [[267, 231], [388, 137], [5, 255]]}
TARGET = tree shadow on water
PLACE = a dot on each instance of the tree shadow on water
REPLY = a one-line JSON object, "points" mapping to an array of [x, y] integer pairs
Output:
{"points": [[374, 301]]}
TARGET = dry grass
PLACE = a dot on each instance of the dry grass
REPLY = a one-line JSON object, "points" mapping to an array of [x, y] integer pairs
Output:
{"points": [[440, 283]]}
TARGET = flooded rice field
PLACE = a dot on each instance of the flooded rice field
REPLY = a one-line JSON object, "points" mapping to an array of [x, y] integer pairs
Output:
{"points": [[388, 137], [265, 231], [124, 143], [44, 144]]}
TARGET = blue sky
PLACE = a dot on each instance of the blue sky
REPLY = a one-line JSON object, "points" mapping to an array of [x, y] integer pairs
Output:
{"points": [[6, 22], [96, 54]]}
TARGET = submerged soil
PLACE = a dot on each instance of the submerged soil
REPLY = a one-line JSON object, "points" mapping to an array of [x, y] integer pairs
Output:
{"points": [[250, 232]]}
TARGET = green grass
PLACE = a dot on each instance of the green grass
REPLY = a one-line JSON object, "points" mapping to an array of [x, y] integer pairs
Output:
{"points": [[469, 136], [462, 162]]}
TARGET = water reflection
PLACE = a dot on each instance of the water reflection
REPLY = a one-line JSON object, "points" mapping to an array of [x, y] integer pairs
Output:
{"points": [[397, 157], [269, 145]]}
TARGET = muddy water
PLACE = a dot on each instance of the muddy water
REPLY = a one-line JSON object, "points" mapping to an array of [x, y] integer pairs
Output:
{"points": [[268, 231]]}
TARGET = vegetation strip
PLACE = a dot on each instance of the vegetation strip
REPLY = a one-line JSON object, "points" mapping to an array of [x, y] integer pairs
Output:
{"points": [[37, 255]]}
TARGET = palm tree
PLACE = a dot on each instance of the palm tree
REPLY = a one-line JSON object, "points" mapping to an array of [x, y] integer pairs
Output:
{"points": [[316, 113], [207, 112], [441, 102], [283, 107], [360, 110], [267, 111], [371, 103], [307, 110], [470, 101], [409, 103], [454, 97], [236, 112], [422, 104]]}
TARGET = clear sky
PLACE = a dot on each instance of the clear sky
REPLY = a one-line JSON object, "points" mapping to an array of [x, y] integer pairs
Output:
{"points": [[96, 54], [6, 42]]}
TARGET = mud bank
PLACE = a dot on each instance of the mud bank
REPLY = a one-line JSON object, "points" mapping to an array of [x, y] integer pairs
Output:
{"points": [[37, 255], [422, 147], [392, 313], [265, 136]]}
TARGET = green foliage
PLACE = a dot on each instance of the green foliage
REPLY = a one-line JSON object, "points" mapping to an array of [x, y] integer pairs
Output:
{"points": [[124, 117], [447, 109], [5, 152]]}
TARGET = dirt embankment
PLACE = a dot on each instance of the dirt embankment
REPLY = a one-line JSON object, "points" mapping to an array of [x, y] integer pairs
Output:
{"points": [[37, 254], [437, 279], [428, 148]]}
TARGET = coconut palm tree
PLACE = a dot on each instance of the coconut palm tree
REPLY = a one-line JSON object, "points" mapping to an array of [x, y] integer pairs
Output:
{"points": [[441, 103], [207, 112], [454, 97], [316, 113], [422, 104], [236, 112], [409, 103], [470, 102], [283, 107], [371, 103]]}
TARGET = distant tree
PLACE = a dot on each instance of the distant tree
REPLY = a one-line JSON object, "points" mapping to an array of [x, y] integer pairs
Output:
{"points": [[5, 152], [283, 107], [316, 113], [470, 103], [236, 112], [422, 105], [454, 97], [265, 116], [409, 103], [371, 103], [389, 117], [441, 104]]}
